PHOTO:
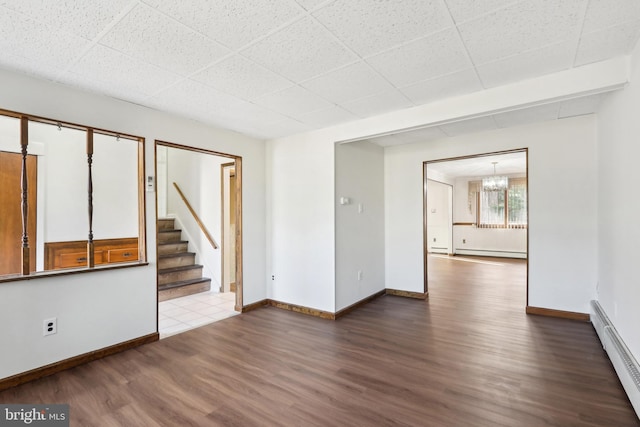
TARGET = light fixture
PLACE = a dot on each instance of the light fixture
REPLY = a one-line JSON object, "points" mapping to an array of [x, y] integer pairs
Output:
{"points": [[495, 182]]}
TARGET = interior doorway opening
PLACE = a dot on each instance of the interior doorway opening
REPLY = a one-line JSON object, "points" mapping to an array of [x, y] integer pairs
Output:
{"points": [[199, 236], [483, 225]]}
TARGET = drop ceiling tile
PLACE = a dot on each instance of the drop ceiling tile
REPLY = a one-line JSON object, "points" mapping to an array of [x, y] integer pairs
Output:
{"points": [[464, 10], [91, 83], [32, 66], [409, 137], [312, 4], [423, 59], [379, 103], [243, 78], [602, 14], [293, 101], [468, 126], [109, 67], [188, 95], [84, 18], [607, 43], [152, 37], [232, 23], [300, 51], [328, 117], [369, 27], [40, 44], [348, 83], [533, 63], [521, 27], [527, 115], [580, 106], [457, 83]]}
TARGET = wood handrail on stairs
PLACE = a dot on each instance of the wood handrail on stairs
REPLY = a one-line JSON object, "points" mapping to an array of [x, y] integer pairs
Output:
{"points": [[196, 217]]}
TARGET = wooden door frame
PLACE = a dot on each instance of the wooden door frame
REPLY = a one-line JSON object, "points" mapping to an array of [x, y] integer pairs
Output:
{"points": [[223, 206], [424, 207], [237, 160]]}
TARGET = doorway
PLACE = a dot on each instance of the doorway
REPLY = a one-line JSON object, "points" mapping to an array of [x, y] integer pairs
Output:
{"points": [[193, 205], [488, 221]]}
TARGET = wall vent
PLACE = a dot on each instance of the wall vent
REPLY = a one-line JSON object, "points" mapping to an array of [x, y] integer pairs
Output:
{"points": [[599, 320], [623, 362]]}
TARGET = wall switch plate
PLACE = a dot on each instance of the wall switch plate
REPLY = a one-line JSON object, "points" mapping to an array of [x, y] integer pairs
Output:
{"points": [[359, 274]]}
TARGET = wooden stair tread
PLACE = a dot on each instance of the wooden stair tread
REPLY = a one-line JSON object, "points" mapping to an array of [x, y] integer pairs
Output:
{"points": [[180, 268], [182, 283], [175, 242], [170, 230], [176, 255]]}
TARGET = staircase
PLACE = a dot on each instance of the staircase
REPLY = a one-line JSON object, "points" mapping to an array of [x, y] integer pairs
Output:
{"points": [[178, 274]]}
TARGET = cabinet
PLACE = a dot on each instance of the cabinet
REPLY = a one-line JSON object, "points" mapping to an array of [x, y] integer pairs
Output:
{"points": [[73, 254]]}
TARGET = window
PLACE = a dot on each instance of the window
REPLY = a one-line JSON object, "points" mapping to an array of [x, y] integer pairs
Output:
{"points": [[504, 209]]}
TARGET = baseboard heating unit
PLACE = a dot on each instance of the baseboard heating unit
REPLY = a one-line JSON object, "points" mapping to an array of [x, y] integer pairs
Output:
{"points": [[623, 362]]}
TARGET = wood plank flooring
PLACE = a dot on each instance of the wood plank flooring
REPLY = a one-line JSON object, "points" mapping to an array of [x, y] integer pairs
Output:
{"points": [[468, 356]]}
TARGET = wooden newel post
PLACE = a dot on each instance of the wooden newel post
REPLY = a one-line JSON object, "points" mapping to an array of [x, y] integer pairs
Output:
{"points": [[91, 262], [24, 142]]}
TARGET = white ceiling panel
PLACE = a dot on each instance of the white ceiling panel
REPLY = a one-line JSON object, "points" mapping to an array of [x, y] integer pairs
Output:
{"points": [[603, 44], [85, 18], [605, 13], [464, 10], [301, 51], [37, 42], [348, 83], [110, 67], [533, 63], [293, 101], [411, 137], [580, 106], [377, 104], [232, 23], [369, 27], [258, 66], [423, 59], [527, 115], [327, 117], [461, 82], [243, 78], [520, 27], [479, 124], [312, 4], [175, 48]]}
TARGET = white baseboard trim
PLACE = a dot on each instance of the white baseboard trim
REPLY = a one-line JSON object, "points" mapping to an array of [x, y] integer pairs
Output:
{"points": [[486, 252]]}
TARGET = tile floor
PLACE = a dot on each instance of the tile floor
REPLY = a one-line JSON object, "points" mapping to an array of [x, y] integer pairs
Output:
{"points": [[181, 314]]}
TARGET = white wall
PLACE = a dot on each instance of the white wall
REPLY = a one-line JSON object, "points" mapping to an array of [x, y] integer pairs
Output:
{"points": [[359, 239], [618, 207], [301, 216], [198, 176], [99, 309], [562, 226]]}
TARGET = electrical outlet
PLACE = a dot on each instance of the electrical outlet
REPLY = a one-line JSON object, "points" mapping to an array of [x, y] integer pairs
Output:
{"points": [[359, 274], [434, 239], [273, 277], [49, 326], [464, 241]]}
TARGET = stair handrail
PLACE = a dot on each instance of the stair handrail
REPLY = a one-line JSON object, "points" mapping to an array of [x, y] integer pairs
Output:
{"points": [[196, 217]]}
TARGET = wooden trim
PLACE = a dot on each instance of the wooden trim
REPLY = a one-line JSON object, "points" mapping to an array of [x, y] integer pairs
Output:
{"points": [[407, 294], [196, 149], [255, 305], [464, 223], [584, 317], [68, 271], [62, 365], [358, 304], [223, 206], [239, 241], [142, 202], [196, 217], [301, 309]]}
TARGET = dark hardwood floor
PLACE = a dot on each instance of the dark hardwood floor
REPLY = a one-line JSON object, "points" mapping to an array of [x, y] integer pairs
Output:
{"points": [[468, 356]]}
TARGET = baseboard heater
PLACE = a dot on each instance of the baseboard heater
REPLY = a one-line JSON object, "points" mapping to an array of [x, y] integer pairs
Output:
{"points": [[491, 253], [623, 362]]}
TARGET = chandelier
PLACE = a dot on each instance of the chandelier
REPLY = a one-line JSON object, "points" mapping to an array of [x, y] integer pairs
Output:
{"points": [[495, 182]]}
